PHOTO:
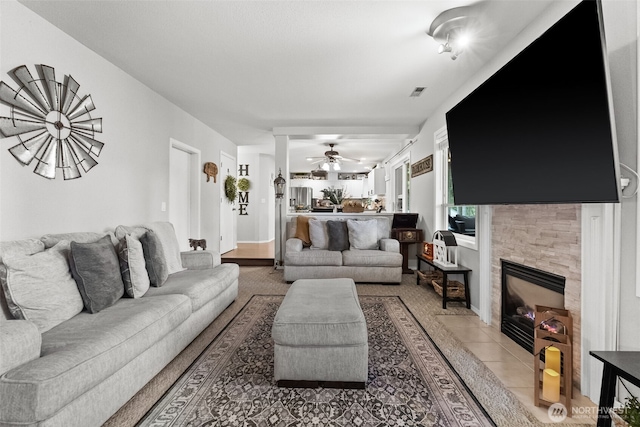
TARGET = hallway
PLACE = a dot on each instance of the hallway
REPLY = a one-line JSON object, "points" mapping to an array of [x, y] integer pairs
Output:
{"points": [[256, 254]]}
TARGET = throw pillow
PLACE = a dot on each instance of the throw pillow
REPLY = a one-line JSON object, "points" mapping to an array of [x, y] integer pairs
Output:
{"points": [[302, 229], [338, 235], [15, 248], [154, 260], [96, 270], [132, 267], [122, 230], [40, 288], [318, 234], [363, 234], [166, 235]]}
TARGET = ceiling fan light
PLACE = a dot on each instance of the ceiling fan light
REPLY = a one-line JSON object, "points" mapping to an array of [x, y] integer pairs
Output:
{"points": [[336, 166], [325, 166]]}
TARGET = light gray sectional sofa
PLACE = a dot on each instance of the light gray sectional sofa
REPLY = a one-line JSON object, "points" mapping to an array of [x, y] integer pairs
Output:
{"points": [[80, 371], [369, 255]]}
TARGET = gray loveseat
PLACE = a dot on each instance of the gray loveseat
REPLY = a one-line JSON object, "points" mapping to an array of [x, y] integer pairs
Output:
{"points": [[383, 264], [83, 369]]}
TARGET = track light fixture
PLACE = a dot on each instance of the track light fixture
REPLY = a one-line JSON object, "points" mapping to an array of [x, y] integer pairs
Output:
{"points": [[451, 29], [445, 47]]}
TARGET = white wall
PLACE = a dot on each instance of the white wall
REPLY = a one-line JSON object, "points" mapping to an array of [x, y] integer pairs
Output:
{"points": [[259, 223], [131, 179], [620, 28], [620, 18]]}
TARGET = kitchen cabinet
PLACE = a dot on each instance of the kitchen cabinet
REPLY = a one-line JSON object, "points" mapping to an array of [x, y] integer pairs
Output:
{"points": [[377, 183], [353, 187]]}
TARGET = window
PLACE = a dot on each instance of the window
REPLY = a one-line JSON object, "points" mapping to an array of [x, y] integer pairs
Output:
{"points": [[401, 181], [461, 220]]}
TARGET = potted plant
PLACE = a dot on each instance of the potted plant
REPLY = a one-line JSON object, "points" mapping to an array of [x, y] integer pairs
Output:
{"points": [[335, 195], [628, 414]]}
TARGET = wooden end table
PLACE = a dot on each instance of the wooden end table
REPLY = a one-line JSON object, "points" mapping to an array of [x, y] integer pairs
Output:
{"points": [[459, 269], [406, 237]]}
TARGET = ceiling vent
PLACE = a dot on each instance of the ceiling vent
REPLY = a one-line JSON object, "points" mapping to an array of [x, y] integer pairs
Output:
{"points": [[417, 91]]}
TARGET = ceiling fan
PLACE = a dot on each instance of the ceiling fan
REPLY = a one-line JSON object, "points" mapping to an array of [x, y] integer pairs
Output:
{"points": [[331, 159]]}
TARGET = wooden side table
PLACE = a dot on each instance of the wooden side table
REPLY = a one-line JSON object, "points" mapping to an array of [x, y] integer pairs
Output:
{"points": [[459, 269], [406, 237]]}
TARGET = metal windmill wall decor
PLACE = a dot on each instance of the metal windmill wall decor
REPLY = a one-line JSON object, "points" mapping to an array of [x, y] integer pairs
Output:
{"points": [[52, 123]]}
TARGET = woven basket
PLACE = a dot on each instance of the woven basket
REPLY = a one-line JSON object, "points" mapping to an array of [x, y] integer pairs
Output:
{"points": [[455, 289], [426, 277]]}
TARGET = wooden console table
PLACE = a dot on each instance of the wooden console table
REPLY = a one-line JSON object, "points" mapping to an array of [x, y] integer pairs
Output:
{"points": [[623, 364], [459, 269]]}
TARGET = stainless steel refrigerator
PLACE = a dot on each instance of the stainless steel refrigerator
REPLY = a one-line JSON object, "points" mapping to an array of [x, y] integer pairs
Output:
{"points": [[300, 198]]}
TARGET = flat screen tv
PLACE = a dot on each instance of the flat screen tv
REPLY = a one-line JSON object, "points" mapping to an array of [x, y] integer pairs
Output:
{"points": [[541, 129]]}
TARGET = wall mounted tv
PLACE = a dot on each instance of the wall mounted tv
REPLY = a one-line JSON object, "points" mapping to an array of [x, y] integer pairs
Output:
{"points": [[541, 129]]}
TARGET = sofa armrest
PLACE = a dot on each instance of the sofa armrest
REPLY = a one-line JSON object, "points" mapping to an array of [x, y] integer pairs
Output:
{"points": [[199, 260], [389, 245], [293, 245], [20, 342]]}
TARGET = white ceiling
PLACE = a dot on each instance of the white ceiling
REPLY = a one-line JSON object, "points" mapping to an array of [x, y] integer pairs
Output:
{"points": [[247, 67]]}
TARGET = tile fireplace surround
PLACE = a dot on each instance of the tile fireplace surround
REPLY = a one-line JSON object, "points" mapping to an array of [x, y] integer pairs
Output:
{"points": [[546, 237]]}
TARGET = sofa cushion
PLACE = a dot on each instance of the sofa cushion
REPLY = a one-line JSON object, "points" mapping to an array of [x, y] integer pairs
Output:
{"points": [[309, 257], [318, 234], [50, 240], [132, 267], [338, 235], [384, 227], [363, 234], [96, 270], [201, 286], [371, 258], [85, 350], [21, 342], [302, 229], [40, 288], [154, 260]]}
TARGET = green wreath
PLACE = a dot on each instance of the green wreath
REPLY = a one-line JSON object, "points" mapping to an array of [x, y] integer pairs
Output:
{"points": [[230, 190], [244, 184]]}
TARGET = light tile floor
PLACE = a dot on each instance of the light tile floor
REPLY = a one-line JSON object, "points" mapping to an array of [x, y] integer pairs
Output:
{"points": [[512, 364]]}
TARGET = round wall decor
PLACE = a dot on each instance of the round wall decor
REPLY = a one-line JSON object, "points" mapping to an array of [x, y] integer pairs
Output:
{"points": [[230, 189], [52, 123]]}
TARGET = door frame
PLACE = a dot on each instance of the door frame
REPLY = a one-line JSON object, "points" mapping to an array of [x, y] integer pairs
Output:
{"points": [[194, 184], [234, 218]]}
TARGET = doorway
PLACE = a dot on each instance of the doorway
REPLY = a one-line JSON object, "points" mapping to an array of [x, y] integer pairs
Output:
{"points": [[184, 192], [228, 219]]}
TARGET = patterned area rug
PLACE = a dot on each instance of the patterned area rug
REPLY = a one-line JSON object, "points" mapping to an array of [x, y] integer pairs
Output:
{"points": [[231, 384]]}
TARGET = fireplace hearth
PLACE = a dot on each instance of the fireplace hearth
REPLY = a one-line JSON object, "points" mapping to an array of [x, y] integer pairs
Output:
{"points": [[523, 288]]}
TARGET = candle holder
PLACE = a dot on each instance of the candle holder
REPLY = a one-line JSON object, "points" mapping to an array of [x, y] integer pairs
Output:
{"points": [[553, 356]]}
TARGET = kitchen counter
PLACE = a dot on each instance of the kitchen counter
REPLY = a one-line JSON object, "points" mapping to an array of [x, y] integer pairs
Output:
{"points": [[342, 214]]}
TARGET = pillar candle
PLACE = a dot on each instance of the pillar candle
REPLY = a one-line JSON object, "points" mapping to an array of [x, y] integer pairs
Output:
{"points": [[552, 358], [550, 385]]}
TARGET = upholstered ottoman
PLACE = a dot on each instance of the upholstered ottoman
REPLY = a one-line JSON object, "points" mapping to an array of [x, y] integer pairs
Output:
{"points": [[320, 336]]}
